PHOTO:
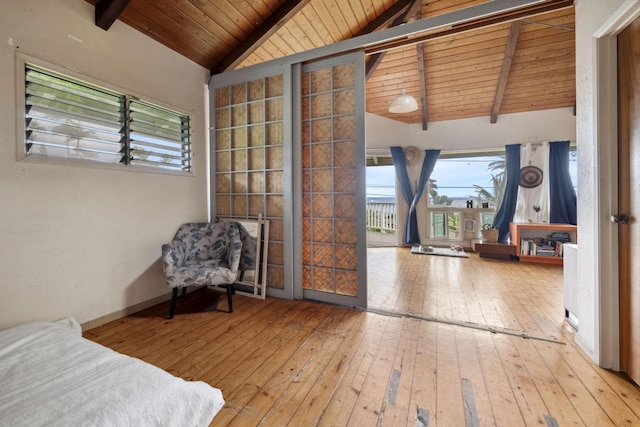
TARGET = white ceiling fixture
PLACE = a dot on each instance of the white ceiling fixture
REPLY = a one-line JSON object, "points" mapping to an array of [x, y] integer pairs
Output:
{"points": [[403, 103]]}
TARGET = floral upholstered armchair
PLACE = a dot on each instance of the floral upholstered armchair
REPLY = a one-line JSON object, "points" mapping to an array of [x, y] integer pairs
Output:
{"points": [[203, 254]]}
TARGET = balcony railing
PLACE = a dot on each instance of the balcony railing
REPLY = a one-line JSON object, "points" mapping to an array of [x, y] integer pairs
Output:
{"points": [[381, 217]]}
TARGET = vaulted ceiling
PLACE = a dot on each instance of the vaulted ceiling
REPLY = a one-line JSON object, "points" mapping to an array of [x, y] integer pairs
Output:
{"points": [[519, 62]]}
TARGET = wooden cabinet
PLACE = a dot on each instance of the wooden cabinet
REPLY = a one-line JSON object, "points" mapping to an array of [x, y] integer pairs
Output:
{"points": [[529, 234]]}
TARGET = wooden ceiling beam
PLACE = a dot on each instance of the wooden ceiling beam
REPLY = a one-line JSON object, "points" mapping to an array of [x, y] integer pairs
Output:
{"points": [[421, 77], [393, 12], [514, 32], [423, 85], [472, 24], [270, 25], [409, 7], [107, 11]]}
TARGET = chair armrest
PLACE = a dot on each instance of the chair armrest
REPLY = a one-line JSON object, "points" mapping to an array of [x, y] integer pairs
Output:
{"points": [[174, 255]]}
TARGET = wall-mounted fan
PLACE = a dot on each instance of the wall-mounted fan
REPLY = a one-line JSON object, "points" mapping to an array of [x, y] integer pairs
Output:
{"points": [[411, 155]]}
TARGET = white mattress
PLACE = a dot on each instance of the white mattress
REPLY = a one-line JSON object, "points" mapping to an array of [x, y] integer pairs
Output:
{"points": [[51, 376]]}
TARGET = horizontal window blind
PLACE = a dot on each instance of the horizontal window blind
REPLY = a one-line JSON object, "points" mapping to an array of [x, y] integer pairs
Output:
{"points": [[159, 137], [71, 119]]}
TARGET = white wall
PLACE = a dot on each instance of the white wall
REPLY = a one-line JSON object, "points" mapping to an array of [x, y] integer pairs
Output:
{"points": [[79, 241], [472, 134]]}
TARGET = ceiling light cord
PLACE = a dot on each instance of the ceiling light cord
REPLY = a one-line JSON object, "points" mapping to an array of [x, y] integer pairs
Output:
{"points": [[403, 103]]}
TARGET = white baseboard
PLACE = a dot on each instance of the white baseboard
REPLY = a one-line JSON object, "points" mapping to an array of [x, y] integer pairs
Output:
{"points": [[124, 312], [585, 347]]}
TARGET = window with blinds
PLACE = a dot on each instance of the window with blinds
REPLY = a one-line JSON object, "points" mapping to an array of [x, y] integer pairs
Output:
{"points": [[66, 118]]}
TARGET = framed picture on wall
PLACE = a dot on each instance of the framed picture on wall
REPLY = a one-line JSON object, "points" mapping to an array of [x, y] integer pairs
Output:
{"points": [[469, 225]]}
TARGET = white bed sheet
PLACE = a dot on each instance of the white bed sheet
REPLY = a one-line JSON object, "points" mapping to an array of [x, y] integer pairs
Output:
{"points": [[51, 376]]}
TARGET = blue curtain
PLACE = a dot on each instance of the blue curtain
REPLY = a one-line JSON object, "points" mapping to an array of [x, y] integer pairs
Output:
{"points": [[411, 232], [429, 162], [508, 207], [397, 154], [562, 196]]}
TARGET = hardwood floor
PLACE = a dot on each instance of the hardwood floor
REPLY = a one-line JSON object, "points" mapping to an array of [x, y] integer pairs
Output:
{"points": [[300, 363]]}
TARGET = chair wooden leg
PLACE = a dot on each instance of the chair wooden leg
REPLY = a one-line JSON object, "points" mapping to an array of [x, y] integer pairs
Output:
{"points": [[184, 291], [174, 298], [230, 292]]}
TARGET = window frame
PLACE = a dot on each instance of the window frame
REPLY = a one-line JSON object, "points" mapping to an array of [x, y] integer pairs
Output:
{"points": [[464, 213], [446, 211], [22, 61]]}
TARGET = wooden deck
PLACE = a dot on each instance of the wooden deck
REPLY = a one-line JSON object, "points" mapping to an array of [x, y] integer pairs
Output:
{"points": [[380, 240], [453, 359]]}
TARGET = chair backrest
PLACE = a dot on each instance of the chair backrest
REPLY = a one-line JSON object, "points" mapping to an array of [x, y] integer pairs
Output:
{"points": [[205, 240]]}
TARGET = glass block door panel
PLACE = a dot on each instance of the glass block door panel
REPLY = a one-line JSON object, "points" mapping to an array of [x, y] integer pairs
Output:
{"points": [[249, 162], [332, 263]]}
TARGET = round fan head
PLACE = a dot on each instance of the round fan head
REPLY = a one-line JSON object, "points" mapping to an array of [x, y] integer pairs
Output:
{"points": [[411, 155]]}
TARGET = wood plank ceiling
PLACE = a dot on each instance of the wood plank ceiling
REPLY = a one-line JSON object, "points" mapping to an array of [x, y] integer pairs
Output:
{"points": [[518, 65]]}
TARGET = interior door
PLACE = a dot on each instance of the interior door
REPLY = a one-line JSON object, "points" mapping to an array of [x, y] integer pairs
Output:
{"points": [[629, 186], [333, 233]]}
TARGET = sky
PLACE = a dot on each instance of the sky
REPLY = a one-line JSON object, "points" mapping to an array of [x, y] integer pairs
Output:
{"points": [[447, 173]]}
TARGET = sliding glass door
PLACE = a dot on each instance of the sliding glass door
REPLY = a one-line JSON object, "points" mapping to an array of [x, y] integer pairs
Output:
{"points": [[333, 181], [287, 145], [250, 161]]}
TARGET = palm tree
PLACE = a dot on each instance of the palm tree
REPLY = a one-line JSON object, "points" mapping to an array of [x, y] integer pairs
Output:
{"points": [[490, 196], [497, 165], [437, 199], [433, 188], [495, 194]]}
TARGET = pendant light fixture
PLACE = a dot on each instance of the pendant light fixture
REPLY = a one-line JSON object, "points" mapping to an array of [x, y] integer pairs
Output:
{"points": [[403, 103]]}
